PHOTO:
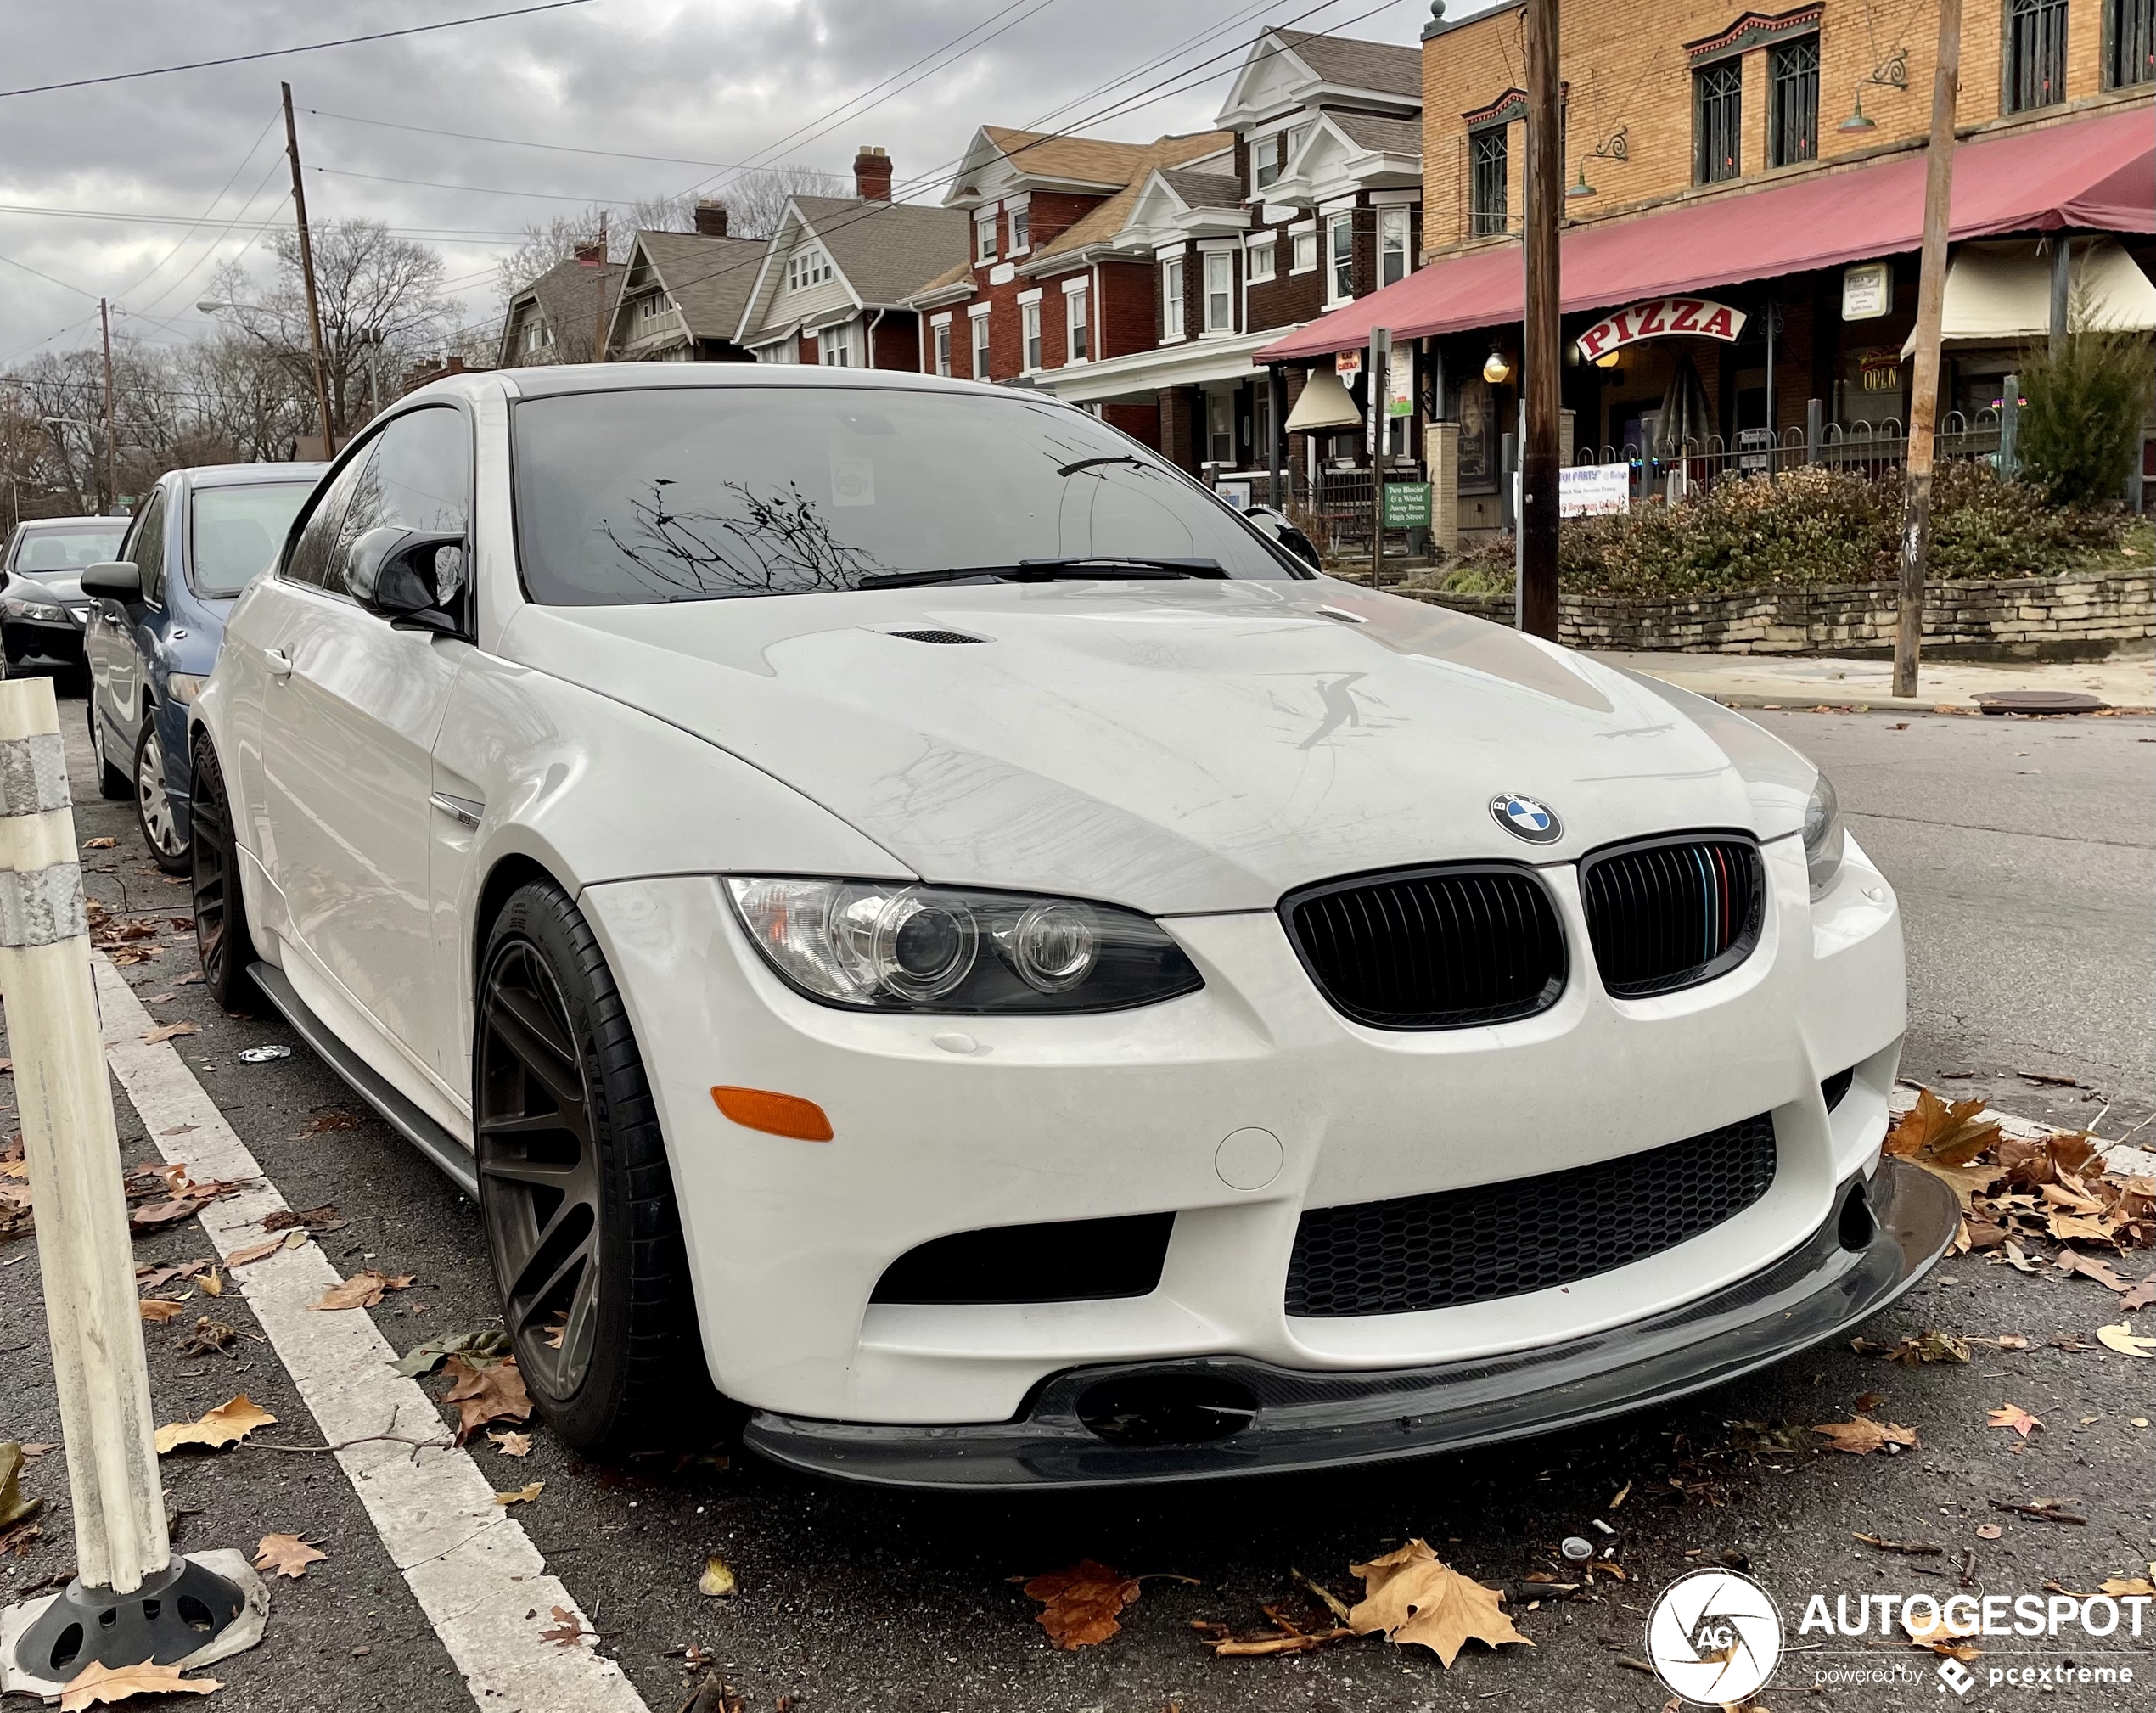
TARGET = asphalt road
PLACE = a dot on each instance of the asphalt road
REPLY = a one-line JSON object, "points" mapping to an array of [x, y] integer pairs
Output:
{"points": [[2023, 856]]}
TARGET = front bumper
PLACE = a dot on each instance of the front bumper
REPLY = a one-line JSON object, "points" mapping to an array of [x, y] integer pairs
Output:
{"points": [[1119, 1425], [32, 643]]}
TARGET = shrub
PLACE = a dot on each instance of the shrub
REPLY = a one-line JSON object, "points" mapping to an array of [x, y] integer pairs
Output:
{"points": [[2081, 428]]}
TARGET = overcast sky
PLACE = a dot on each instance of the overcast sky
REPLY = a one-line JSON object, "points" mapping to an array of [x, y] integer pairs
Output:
{"points": [[720, 81]]}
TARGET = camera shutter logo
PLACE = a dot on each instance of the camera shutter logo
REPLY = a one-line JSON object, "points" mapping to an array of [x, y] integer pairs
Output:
{"points": [[1714, 1636]]}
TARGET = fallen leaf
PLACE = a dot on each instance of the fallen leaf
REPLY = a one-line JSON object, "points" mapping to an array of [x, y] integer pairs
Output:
{"points": [[1935, 1134], [1623, 1493], [522, 1495], [212, 1283], [95, 1684], [511, 1444], [719, 1582], [286, 1555], [1930, 1346], [2126, 1341], [567, 1630], [1863, 1435], [170, 1031], [488, 1345], [1079, 1605], [1989, 1531], [182, 981], [229, 1422], [495, 1393], [149, 1275], [2011, 1341], [259, 1251], [2125, 1588], [323, 1218], [362, 1290], [2013, 1416], [99, 844], [324, 1122], [1939, 1636], [13, 1507], [1412, 1596], [2140, 1297], [159, 1310], [1868, 1402]]}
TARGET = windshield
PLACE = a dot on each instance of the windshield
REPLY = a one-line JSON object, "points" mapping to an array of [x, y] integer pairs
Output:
{"points": [[237, 530], [696, 493], [69, 550]]}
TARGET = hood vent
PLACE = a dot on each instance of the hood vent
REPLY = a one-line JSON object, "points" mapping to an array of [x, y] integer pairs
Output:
{"points": [[952, 636]]}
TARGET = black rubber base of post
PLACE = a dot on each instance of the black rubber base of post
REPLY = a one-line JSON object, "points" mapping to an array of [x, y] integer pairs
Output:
{"points": [[180, 1609]]}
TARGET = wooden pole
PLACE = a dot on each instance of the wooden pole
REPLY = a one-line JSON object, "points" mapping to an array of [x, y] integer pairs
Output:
{"points": [[1377, 385], [598, 312], [1923, 405], [306, 276], [1540, 354], [111, 482], [72, 1150]]}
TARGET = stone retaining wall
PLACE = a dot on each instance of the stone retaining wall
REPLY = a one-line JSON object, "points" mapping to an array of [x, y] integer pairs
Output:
{"points": [[2025, 618]]}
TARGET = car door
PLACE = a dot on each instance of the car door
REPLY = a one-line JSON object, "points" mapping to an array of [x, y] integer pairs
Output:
{"points": [[111, 638], [350, 709]]}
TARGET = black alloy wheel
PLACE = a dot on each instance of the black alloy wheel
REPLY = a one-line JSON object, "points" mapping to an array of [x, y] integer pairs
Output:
{"points": [[113, 784], [222, 938], [576, 1191], [154, 812]]}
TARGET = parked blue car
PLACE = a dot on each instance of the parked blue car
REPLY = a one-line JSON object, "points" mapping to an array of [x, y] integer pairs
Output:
{"points": [[197, 540]]}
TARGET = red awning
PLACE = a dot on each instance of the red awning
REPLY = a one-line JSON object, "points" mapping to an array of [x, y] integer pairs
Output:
{"points": [[2092, 174]]}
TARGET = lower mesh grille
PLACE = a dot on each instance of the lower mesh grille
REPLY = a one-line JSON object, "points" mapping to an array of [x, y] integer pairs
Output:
{"points": [[1672, 912], [1505, 1239]]}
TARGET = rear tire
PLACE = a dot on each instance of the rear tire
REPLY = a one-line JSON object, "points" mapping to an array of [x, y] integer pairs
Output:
{"points": [[222, 938], [114, 785], [154, 812], [576, 1191]]}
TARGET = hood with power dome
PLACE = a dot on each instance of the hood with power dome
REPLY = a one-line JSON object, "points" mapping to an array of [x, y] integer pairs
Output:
{"points": [[1179, 747]]}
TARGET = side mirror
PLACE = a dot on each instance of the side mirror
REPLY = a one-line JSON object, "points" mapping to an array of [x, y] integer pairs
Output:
{"points": [[408, 576], [1276, 525], [114, 580]]}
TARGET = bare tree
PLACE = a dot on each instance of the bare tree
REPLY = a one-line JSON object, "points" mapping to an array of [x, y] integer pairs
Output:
{"points": [[757, 201]]}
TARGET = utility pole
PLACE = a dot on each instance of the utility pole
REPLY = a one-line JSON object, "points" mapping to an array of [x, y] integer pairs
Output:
{"points": [[306, 274], [1378, 383], [105, 322], [1923, 405], [598, 294], [1539, 347]]}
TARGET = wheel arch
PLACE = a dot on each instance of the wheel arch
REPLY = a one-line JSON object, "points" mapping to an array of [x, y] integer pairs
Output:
{"points": [[509, 870]]}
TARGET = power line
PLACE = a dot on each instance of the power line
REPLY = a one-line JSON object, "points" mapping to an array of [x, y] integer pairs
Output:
{"points": [[436, 234], [49, 278], [521, 143], [281, 53], [206, 212], [476, 189]]}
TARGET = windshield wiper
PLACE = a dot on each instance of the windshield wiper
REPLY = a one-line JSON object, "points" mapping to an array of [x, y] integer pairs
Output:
{"points": [[1088, 464], [1076, 567]]}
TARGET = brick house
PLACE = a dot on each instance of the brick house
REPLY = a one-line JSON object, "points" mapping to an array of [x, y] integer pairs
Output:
{"points": [[835, 282], [684, 293], [1313, 201], [1770, 166], [557, 318]]}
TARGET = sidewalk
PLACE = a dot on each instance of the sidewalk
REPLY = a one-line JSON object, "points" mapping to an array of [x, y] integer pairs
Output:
{"points": [[1760, 681]]}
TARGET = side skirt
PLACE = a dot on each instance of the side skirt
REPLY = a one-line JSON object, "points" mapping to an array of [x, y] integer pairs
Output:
{"points": [[455, 1159]]}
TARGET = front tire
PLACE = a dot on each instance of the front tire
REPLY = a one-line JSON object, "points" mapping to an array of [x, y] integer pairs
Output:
{"points": [[113, 784], [154, 812], [575, 1188], [222, 938]]}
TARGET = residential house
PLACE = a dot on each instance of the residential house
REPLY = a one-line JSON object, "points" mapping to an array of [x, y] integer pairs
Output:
{"points": [[684, 293], [1741, 223], [560, 316], [835, 282]]}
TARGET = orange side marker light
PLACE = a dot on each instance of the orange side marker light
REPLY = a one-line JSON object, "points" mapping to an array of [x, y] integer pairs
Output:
{"points": [[781, 1114]]}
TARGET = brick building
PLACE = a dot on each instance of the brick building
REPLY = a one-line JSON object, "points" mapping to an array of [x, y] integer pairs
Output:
{"points": [[1769, 166], [835, 282]]}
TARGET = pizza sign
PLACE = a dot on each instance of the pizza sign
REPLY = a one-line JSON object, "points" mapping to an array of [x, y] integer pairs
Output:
{"points": [[1661, 318]]}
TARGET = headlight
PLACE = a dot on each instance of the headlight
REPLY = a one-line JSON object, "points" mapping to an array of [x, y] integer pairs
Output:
{"points": [[34, 609], [881, 946], [184, 686], [1822, 836]]}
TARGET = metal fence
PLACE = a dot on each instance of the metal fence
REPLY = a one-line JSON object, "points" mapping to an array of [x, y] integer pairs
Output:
{"points": [[1693, 466]]}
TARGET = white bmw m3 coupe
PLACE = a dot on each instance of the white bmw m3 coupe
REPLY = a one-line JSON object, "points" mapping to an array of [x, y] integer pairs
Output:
{"points": [[885, 881]]}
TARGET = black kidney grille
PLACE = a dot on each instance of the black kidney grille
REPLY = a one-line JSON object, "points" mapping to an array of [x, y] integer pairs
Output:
{"points": [[1434, 949], [1673, 912], [1505, 1239]]}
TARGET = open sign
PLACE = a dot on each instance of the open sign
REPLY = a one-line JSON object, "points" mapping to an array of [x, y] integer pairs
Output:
{"points": [[1662, 317]]}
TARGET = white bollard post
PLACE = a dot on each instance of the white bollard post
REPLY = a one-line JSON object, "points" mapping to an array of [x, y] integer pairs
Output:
{"points": [[123, 1552]]}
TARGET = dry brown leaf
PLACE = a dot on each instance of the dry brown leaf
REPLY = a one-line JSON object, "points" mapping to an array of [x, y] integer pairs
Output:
{"points": [[170, 1031], [2140, 1297], [1940, 1636], [1863, 1435], [511, 1444], [522, 1495], [156, 1310], [495, 1393], [13, 1507], [2072, 1226], [1412, 1596], [254, 1252], [2013, 1416], [286, 1555], [567, 1631], [1946, 1141], [2125, 1588], [149, 1275], [718, 1580], [95, 1685], [229, 1422], [212, 1283], [2126, 1341], [100, 844], [362, 1290], [1080, 1604]]}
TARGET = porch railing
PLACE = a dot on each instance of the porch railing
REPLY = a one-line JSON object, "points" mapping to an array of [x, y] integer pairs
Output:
{"points": [[1691, 466]]}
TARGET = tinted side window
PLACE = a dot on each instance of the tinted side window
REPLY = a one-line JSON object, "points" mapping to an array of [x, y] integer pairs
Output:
{"points": [[420, 478], [145, 547], [324, 530]]}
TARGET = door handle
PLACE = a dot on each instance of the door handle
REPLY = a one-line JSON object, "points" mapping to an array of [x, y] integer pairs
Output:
{"points": [[278, 662]]}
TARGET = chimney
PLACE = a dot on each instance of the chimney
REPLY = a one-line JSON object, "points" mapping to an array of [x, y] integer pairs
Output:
{"points": [[711, 218], [871, 174], [590, 256]]}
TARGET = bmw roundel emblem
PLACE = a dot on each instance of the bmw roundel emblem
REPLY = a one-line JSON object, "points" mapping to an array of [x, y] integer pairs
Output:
{"points": [[1526, 817]]}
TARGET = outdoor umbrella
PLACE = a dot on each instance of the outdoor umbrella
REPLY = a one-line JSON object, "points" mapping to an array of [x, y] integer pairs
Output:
{"points": [[1684, 416]]}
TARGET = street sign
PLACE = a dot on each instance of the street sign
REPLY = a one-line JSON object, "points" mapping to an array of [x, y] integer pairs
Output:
{"points": [[1347, 364], [1407, 505]]}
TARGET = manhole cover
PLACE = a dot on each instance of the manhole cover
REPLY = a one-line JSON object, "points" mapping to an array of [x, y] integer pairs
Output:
{"points": [[2039, 702]]}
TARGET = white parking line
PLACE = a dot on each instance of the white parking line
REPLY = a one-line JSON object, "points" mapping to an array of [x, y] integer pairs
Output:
{"points": [[476, 1572]]}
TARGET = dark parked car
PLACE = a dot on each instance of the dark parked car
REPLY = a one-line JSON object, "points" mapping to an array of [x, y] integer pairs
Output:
{"points": [[159, 616], [42, 603]]}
